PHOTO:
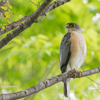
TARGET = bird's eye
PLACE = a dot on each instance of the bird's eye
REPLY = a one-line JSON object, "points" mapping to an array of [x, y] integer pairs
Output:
{"points": [[73, 25]]}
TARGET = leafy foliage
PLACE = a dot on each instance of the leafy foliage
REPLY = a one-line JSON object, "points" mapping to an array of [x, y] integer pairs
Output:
{"points": [[33, 56]]}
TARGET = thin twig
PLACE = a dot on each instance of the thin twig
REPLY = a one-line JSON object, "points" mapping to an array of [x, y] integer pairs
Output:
{"points": [[90, 78], [34, 3], [40, 19], [93, 80]]}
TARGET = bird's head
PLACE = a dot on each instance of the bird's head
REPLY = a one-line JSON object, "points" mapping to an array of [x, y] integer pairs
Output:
{"points": [[73, 27]]}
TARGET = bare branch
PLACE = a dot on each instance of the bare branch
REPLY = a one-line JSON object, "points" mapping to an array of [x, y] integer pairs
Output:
{"points": [[24, 25], [50, 7], [40, 18], [47, 83], [27, 21], [54, 5]]}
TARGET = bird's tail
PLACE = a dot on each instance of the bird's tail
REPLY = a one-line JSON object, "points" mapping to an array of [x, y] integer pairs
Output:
{"points": [[67, 87]]}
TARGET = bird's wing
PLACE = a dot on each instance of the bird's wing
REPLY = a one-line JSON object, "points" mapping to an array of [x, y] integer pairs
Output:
{"points": [[65, 51]]}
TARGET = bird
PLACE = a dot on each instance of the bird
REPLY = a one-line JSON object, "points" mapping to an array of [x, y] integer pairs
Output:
{"points": [[72, 52]]}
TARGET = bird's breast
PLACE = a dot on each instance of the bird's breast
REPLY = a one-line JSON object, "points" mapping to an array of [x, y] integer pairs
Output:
{"points": [[78, 50]]}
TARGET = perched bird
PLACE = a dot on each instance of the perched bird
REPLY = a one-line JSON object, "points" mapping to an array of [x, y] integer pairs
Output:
{"points": [[72, 52]]}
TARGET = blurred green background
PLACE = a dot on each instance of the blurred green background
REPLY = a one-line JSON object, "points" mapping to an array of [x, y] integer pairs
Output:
{"points": [[33, 56]]}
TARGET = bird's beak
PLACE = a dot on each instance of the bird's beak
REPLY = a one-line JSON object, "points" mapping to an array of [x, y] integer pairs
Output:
{"points": [[67, 26]]}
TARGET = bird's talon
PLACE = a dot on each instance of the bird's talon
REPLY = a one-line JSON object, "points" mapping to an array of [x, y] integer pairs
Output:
{"points": [[79, 72], [74, 75], [79, 75]]}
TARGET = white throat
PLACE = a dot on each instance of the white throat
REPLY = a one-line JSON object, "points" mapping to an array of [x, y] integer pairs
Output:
{"points": [[70, 30]]}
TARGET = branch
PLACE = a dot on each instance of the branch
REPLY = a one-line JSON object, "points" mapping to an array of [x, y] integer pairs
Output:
{"points": [[24, 25], [28, 21], [47, 83], [50, 7], [12, 25], [54, 5]]}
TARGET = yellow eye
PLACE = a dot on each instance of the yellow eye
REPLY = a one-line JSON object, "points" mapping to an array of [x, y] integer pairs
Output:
{"points": [[72, 25]]}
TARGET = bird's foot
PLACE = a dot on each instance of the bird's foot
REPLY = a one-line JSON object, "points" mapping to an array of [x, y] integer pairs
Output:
{"points": [[78, 72]]}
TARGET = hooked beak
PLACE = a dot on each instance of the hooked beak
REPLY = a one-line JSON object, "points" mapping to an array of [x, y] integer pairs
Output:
{"points": [[67, 26]]}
